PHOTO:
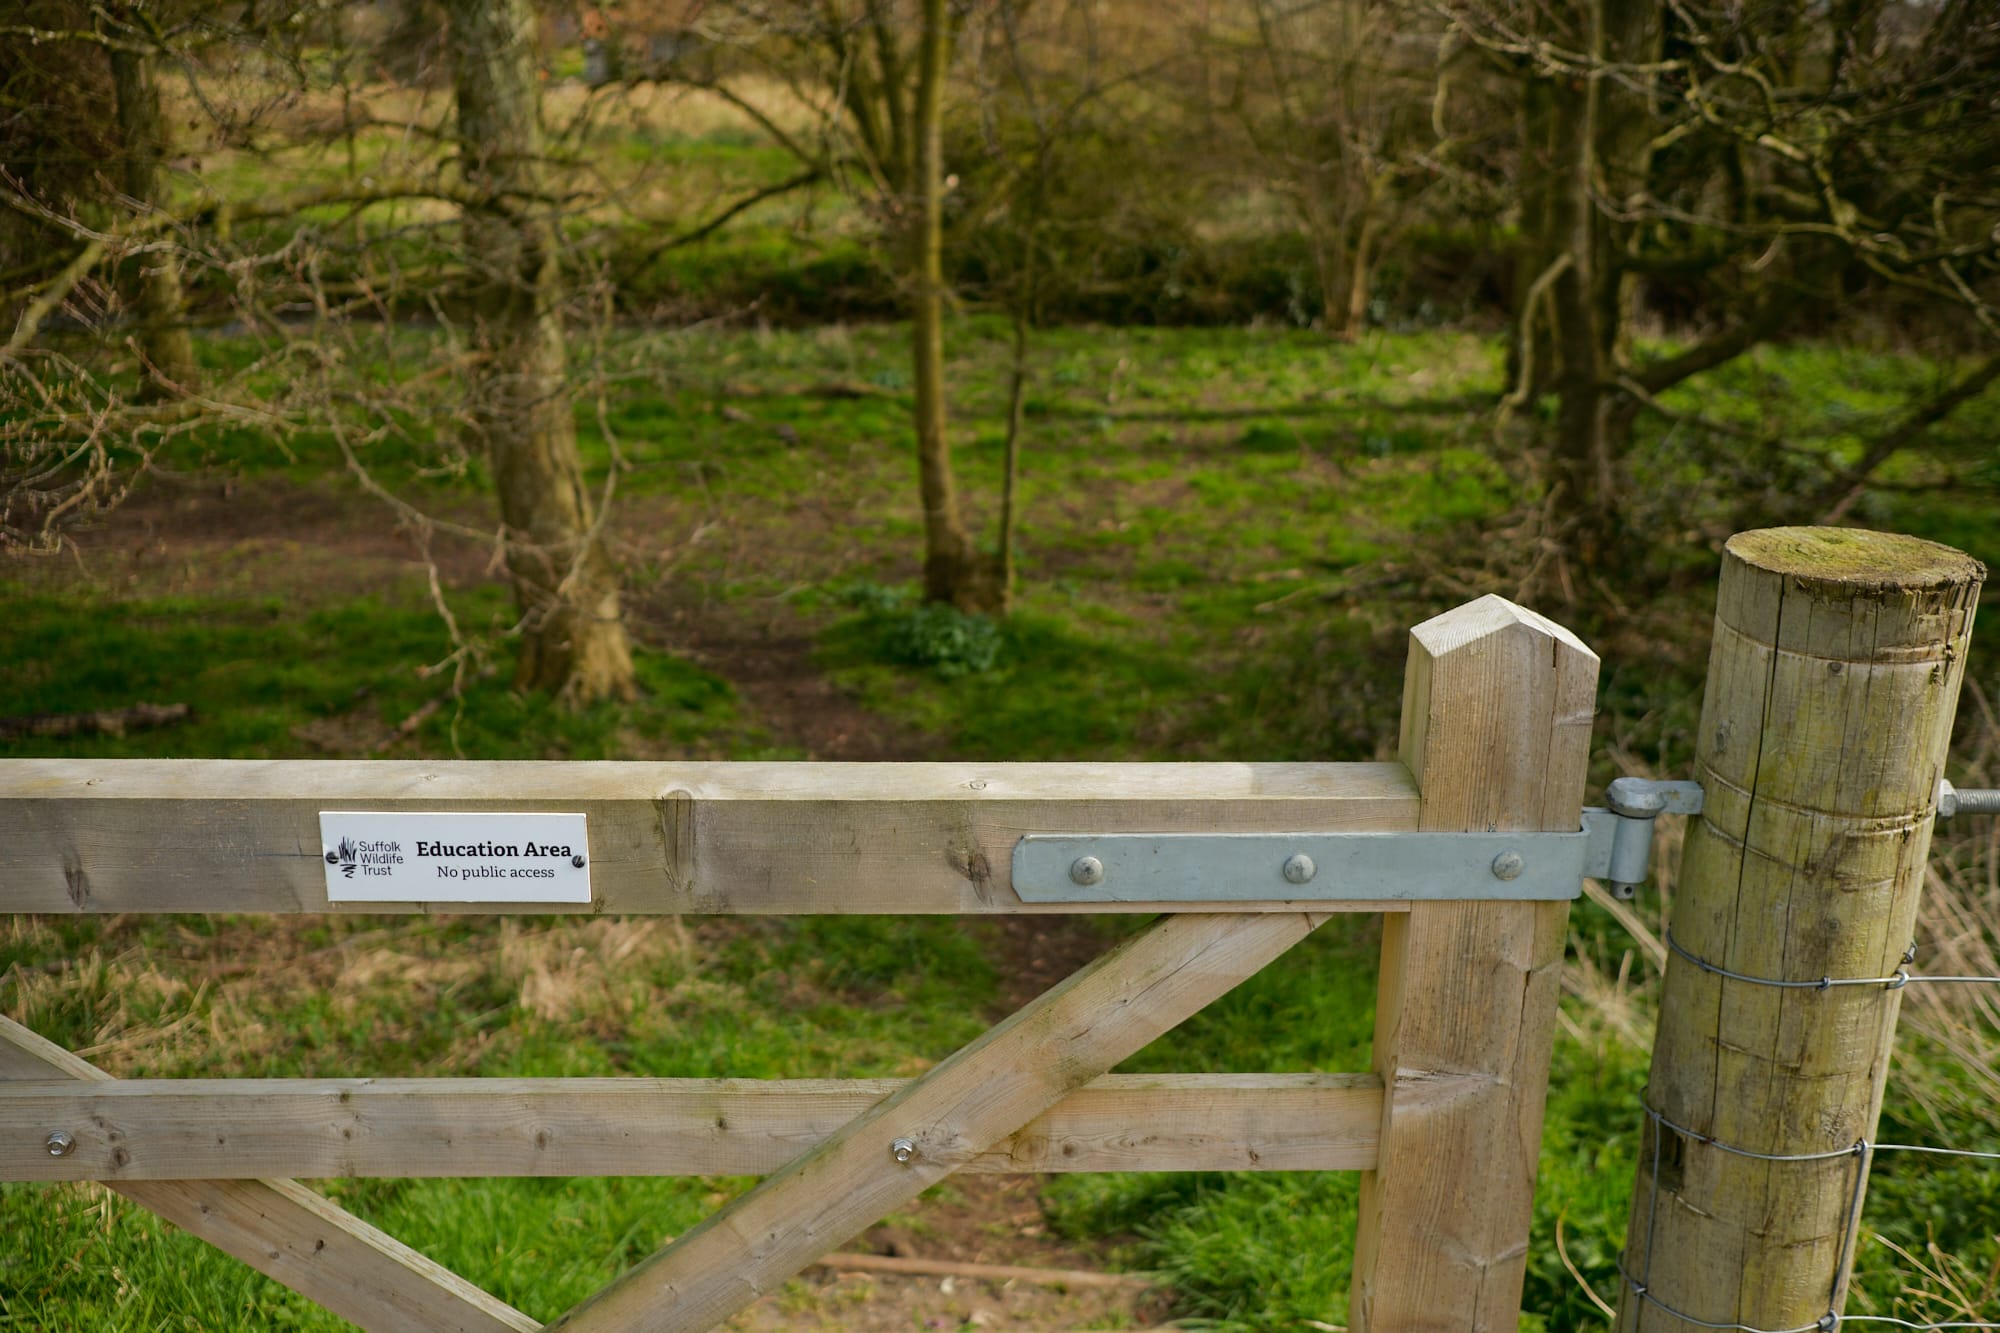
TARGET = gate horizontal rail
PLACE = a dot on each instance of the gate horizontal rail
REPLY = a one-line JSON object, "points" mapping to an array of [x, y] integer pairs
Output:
{"points": [[752, 838], [248, 1129]]}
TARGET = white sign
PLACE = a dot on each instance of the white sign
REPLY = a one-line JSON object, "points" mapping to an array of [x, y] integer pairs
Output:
{"points": [[453, 857]]}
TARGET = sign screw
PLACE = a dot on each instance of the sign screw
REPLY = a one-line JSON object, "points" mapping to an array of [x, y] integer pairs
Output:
{"points": [[1508, 865], [61, 1143], [333, 858], [576, 861], [1087, 870], [903, 1151], [1299, 868]]}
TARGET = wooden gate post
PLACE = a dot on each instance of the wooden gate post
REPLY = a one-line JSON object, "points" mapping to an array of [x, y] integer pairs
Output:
{"points": [[1497, 708], [1832, 685]]}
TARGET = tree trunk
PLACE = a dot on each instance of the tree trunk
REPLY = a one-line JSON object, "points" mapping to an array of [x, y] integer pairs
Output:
{"points": [[164, 341], [1017, 392], [573, 634], [1361, 280], [1600, 135], [1580, 461], [1531, 353], [1627, 121], [953, 571], [1328, 226]]}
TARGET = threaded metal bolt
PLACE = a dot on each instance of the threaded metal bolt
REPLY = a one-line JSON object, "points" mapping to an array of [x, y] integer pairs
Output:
{"points": [[61, 1143], [903, 1151]]}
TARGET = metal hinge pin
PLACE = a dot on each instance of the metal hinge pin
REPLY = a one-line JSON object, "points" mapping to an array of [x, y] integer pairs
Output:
{"points": [[1636, 803]]}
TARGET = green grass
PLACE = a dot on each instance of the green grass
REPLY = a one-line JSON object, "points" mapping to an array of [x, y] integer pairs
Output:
{"points": [[277, 677], [1192, 504], [782, 998]]}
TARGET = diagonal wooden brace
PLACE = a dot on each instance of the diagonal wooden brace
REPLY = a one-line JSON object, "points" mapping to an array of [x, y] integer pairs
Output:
{"points": [[287, 1232], [988, 1090]]}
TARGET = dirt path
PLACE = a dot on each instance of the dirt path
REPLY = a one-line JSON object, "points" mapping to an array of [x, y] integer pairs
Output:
{"points": [[768, 658]]}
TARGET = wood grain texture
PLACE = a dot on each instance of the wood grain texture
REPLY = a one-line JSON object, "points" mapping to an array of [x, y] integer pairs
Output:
{"points": [[243, 835], [991, 1088], [194, 1129], [1832, 685], [1497, 711], [287, 1232]]}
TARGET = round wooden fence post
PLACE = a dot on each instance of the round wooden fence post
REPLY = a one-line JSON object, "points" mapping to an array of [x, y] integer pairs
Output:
{"points": [[1832, 685]]}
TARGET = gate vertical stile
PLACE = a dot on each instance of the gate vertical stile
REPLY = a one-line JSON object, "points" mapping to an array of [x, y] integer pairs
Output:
{"points": [[1497, 710]]}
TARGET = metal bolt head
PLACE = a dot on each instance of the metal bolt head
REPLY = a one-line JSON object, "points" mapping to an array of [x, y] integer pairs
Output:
{"points": [[61, 1143], [1299, 868], [1087, 870], [903, 1151], [576, 861], [1508, 865]]}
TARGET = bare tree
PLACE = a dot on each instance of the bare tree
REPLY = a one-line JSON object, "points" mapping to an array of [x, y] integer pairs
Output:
{"points": [[1773, 163], [1334, 96], [953, 571], [879, 70], [573, 636], [315, 306]]}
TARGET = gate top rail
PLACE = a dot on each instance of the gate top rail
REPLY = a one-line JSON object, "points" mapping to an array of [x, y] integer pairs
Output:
{"points": [[215, 835]]}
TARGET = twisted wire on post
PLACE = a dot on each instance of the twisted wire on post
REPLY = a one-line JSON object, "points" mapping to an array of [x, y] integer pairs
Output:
{"points": [[1925, 1327], [1862, 1151], [1864, 1154], [1639, 1289], [1901, 978], [1826, 1323]]}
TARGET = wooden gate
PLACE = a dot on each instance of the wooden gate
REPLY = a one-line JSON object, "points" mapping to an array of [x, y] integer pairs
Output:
{"points": [[1446, 1128]]}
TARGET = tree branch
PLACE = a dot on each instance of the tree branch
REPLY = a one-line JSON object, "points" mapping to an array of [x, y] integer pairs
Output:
{"points": [[808, 177], [1838, 495]]}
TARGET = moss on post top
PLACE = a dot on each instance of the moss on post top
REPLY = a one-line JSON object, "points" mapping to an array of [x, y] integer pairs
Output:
{"points": [[1844, 559]]}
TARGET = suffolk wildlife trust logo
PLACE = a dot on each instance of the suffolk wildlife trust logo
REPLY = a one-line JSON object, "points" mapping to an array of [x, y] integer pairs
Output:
{"points": [[376, 856]]}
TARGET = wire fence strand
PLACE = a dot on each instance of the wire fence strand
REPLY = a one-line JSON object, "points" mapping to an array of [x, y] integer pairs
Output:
{"points": [[1895, 981]]}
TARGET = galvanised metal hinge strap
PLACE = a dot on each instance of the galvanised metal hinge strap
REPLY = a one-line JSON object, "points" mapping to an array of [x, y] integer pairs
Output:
{"points": [[1613, 845]]}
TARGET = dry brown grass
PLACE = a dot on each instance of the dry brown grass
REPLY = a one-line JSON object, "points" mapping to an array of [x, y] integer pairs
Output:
{"points": [[592, 970], [1958, 934], [223, 1003]]}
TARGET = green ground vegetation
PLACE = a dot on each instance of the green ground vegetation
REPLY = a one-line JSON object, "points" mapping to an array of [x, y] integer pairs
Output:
{"points": [[1225, 535]]}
